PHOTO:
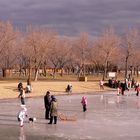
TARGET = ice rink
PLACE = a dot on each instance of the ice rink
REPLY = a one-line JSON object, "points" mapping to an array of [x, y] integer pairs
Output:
{"points": [[108, 117]]}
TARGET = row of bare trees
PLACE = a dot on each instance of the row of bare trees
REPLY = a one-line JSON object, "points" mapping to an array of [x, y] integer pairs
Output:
{"points": [[41, 48]]}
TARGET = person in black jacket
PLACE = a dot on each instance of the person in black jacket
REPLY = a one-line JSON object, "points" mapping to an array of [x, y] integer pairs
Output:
{"points": [[47, 102]]}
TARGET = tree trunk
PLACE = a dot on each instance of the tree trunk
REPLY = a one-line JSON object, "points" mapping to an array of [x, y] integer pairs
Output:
{"points": [[62, 71], [36, 74], [3, 72], [126, 66], [54, 73], [137, 71], [105, 70]]}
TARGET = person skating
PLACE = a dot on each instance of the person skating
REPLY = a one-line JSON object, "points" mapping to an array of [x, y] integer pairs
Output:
{"points": [[22, 96], [137, 90], [84, 103], [22, 114]]}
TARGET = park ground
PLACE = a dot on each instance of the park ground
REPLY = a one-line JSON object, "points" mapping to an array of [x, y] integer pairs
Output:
{"points": [[8, 89]]}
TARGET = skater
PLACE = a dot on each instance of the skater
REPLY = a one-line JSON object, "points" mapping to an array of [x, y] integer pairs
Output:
{"points": [[137, 90], [22, 96], [84, 103], [22, 115], [122, 88], [47, 102], [20, 86], [53, 110]]}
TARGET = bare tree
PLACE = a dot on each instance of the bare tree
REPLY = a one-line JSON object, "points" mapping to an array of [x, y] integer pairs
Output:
{"points": [[59, 54], [130, 42], [38, 42], [7, 40], [80, 52], [105, 46]]}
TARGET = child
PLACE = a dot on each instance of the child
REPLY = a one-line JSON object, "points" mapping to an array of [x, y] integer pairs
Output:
{"points": [[84, 103], [119, 90], [101, 84], [21, 115], [137, 89]]}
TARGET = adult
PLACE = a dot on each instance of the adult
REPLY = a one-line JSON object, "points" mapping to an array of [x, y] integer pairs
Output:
{"points": [[123, 87], [47, 101], [53, 110], [20, 86], [69, 88], [132, 83], [22, 96]]}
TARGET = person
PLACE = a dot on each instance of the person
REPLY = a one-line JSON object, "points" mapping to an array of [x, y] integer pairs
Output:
{"points": [[126, 84], [53, 110], [28, 87], [101, 83], [132, 83], [47, 101], [22, 114], [122, 88], [69, 88], [22, 96], [138, 90], [20, 86], [84, 103], [119, 90]]}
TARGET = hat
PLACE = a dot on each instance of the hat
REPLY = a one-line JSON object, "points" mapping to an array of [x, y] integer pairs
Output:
{"points": [[53, 97], [48, 92], [25, 109]]}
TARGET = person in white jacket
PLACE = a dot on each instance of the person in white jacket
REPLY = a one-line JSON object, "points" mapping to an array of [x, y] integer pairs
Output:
{"points": [[22, 115]]}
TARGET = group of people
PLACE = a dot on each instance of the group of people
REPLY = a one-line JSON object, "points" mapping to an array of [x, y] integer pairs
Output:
{"points": [[51, 108], [22, 114], [50, 103], [125, 85], [22, 91], [28, 88]]}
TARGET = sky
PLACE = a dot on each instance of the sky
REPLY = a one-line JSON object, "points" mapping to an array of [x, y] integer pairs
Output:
{"points": [[70, 17]]}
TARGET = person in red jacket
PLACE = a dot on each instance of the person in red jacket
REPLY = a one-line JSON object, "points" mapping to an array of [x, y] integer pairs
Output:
{"points": [[138, 90], [84, 103]]}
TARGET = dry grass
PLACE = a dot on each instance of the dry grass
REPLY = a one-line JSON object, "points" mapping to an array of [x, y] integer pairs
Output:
{"points": [[8, 89]]}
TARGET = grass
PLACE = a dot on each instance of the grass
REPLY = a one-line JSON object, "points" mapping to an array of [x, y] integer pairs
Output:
{"points": [[8, 86]]}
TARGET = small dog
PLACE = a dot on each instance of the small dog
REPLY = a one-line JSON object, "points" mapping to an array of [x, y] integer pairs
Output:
{"points": [[32, 119]]}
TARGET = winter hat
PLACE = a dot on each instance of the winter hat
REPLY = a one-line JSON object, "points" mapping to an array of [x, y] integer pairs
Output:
{"points": [[48, 92], [53, 97]]}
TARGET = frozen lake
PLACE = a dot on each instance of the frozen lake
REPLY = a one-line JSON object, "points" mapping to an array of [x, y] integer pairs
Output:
{"points": [[108, 117]]}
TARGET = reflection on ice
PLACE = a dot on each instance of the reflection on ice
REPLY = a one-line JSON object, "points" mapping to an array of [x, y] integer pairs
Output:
{"points": [[108, 117], [22, 134]]}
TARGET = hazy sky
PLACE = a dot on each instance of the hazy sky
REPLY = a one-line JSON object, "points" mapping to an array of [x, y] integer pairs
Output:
{"points": [[69, 17]]}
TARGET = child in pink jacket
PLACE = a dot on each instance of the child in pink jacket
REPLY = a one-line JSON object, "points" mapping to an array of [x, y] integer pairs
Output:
{"points": [[84, 103]]}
